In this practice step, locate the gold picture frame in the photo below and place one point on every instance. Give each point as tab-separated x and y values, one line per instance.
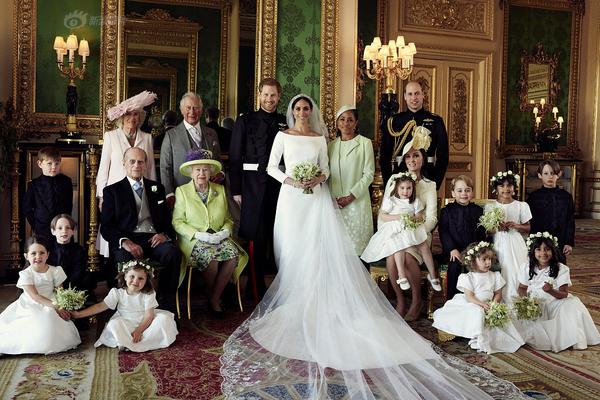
577	9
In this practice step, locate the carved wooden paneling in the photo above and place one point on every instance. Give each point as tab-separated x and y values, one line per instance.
426	76
459	112
471	18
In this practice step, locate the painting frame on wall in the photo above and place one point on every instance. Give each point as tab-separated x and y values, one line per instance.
516	129
32	122
107	52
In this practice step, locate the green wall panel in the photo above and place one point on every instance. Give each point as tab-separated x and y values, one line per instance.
81	17
298	49
209	45
367	30
528	26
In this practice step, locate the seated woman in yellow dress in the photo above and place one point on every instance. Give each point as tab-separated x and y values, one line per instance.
203	224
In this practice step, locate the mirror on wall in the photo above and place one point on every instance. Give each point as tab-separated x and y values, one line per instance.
538	79
540	62
160	55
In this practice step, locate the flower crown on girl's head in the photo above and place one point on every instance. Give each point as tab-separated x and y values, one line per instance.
405	175
471	254
144	264
502	174
531	238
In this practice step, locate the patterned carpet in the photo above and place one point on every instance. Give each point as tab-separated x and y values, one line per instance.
189	369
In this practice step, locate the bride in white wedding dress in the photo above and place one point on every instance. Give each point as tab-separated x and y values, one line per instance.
324	330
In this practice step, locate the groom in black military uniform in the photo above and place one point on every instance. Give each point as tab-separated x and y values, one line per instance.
252	188
397	131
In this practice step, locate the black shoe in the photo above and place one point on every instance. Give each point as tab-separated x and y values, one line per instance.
217	314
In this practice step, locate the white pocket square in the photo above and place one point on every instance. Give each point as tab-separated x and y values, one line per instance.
161	201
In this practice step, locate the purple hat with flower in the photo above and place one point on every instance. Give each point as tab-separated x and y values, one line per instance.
196	157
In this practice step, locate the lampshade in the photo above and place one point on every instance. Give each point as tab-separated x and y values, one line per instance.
376	42
413	48
84	48
367	53
59	43
400	41
72	42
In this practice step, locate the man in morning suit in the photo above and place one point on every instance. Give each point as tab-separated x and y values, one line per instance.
252	188
180	140
397	131
136	222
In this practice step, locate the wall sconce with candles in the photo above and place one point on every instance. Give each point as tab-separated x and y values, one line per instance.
387	62
546	132
71	72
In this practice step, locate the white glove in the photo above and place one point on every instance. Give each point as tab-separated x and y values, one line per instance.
222	235
206	237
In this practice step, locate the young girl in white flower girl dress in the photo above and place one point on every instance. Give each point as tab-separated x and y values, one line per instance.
396	233
33	324
137	325
565	321
464	314
508	239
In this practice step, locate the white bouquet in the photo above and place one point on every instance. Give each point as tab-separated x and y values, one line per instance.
69	299
491	219
306	171
527	308
496	316
410	222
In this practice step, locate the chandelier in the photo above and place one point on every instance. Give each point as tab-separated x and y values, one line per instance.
389	61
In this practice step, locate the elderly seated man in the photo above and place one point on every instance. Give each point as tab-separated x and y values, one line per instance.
204	226
136	222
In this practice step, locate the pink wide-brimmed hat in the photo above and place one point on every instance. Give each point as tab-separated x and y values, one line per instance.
137	102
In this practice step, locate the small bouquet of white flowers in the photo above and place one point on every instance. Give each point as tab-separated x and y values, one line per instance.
410	222
491	219
306	171
69	299
496	316
527	308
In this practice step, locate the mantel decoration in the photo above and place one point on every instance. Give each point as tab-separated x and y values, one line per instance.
547	131
71	72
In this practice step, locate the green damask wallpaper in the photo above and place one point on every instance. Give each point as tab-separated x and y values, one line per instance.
526	27
209	45
367	30
81	17
298	49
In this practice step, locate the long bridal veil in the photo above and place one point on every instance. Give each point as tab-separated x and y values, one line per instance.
324	330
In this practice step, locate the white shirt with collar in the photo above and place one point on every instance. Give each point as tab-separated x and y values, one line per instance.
196	138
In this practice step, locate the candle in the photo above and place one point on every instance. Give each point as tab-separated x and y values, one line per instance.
535	111
367	53
560	122
554	111
542	102
59	46
84	49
